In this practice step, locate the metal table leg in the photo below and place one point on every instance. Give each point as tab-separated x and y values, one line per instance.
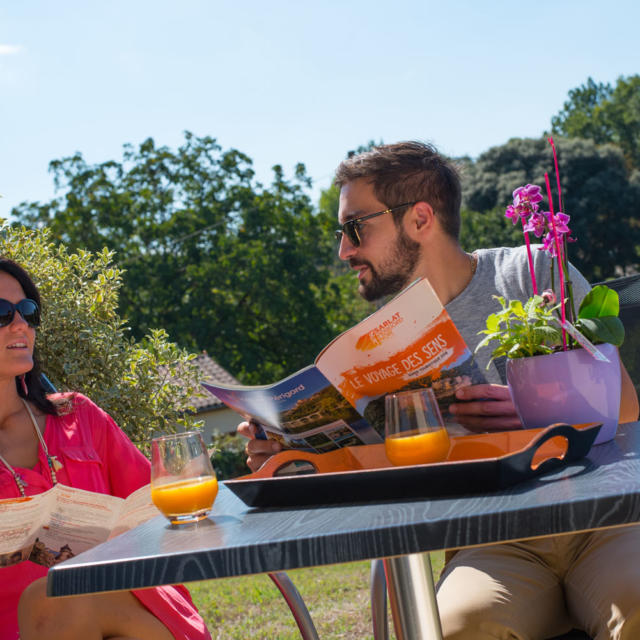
379	601
412	597
296	604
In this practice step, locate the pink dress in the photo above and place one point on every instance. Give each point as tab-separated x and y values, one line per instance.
97	456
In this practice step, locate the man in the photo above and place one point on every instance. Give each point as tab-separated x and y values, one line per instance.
400	219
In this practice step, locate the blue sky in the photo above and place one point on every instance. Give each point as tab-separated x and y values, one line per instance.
289	82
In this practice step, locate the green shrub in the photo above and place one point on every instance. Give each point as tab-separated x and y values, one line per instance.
84	344
228	457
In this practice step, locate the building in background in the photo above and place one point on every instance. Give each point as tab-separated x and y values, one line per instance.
215	414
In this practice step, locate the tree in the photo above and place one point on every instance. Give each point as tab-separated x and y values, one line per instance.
488	229
604	114
209	254
350	306
84	344
598	193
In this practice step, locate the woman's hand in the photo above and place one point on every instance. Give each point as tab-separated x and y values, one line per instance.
258	451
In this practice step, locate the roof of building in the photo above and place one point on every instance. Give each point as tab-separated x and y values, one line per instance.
213	372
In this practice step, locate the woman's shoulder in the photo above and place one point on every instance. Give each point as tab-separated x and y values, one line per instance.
73	402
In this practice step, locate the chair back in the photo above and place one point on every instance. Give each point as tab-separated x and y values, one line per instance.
628	288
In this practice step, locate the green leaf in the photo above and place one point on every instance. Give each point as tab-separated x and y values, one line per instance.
516	307
533	306
598	330
487	339
601	301
547	334
493	324
515	351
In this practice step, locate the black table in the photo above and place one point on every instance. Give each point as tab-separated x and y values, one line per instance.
602	490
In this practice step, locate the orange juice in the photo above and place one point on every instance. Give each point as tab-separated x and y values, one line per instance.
185	497
415	447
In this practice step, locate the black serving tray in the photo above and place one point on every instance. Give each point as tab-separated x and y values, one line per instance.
475	464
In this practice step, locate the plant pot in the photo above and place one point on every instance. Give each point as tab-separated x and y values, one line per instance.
567	386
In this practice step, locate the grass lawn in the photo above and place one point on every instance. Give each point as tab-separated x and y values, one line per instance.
251	607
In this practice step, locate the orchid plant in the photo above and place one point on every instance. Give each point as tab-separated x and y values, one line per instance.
547	322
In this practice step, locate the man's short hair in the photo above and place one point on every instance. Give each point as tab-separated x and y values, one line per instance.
408	172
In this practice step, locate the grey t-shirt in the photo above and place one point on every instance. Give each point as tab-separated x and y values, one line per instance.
503	271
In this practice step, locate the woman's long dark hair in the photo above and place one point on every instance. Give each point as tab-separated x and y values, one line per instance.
37	394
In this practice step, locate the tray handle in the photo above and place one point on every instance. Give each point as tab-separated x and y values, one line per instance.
519	466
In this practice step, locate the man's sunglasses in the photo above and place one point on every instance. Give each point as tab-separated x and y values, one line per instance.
27	308
351	228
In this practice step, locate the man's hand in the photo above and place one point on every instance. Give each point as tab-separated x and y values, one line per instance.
258	451
486	407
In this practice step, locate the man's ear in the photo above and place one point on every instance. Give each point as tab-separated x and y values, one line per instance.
422	218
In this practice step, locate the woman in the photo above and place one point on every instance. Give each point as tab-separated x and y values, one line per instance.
66	438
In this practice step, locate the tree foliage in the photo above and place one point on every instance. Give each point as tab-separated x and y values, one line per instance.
488	229
352	307
209	254
598	193
228	455
603	113
84	344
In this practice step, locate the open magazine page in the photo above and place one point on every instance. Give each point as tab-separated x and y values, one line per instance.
50	527
136	509
20	521
409	343
303	411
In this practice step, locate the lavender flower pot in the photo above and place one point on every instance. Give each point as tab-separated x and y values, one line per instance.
568	386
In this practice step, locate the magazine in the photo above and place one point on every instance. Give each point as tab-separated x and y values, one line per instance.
410	342
57	524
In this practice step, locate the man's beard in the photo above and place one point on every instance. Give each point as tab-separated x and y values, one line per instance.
394	274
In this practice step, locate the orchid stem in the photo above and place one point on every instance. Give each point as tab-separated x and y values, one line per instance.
530	258
560	260
571	306
555	163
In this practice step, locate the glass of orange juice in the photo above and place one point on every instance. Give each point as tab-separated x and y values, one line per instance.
183	483
414	429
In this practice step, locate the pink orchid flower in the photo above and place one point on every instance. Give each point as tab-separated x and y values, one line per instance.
561	220
524	207
537	223
530	193
549	245
513	213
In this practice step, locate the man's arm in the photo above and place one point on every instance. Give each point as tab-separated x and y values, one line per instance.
629	408
485	407
489	407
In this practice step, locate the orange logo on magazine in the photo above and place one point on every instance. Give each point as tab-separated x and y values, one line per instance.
434	351
377	336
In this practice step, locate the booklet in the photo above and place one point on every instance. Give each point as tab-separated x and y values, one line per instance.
410	342
57	524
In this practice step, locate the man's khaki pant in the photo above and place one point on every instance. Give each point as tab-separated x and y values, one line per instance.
538	588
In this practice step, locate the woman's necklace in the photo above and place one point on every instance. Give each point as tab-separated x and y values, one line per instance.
53	463
20	483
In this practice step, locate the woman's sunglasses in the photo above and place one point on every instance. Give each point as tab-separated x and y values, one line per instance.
27	308
351	228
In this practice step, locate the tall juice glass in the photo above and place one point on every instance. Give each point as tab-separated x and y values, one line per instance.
183	483
414	429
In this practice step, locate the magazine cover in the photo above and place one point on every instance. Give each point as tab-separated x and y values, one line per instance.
410	342
303	411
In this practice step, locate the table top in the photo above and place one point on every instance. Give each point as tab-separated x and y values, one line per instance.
602	490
